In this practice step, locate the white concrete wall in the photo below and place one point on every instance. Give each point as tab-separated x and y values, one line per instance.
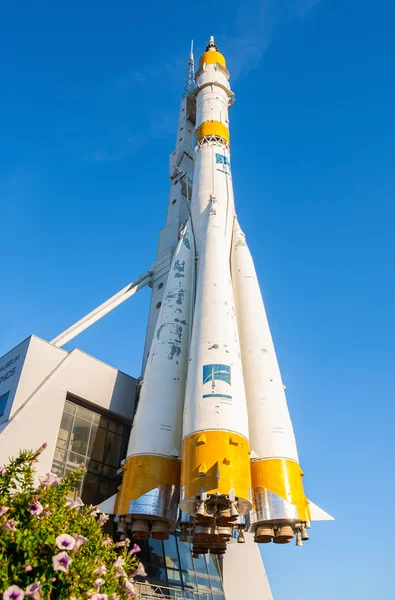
244	573
38	405
40	360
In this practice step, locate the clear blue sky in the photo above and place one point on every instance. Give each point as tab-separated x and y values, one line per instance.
88	110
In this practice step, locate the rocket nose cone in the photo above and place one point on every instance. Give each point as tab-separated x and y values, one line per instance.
211	45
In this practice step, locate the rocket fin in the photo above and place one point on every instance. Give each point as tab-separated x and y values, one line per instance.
318	514
107	506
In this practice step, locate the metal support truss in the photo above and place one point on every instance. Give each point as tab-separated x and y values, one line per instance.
102	310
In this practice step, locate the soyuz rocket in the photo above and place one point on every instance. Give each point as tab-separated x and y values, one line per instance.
212	450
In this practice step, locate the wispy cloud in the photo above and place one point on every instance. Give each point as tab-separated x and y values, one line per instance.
256	25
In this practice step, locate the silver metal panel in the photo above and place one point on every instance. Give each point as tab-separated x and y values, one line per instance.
161	503
270	507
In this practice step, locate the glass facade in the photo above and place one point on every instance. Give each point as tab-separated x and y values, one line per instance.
170	563
96	441
99	442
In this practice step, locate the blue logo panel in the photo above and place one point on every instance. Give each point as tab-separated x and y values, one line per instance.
216	372
222	159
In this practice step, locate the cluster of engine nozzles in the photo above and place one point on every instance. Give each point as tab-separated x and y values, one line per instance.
281	533
215	523
143	529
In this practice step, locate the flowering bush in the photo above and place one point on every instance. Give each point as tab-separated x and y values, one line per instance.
53	546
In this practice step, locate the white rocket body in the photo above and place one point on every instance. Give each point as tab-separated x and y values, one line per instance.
212	427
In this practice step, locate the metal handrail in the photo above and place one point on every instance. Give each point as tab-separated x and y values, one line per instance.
148	591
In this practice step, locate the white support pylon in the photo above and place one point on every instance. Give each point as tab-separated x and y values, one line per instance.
101	311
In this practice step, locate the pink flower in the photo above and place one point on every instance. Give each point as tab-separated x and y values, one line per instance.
77	503
99	581
100	570
28	568
135	549
34	591
47	512
50	479
99	597
61	562
3	510
119	562
103	518
79	541
8	526
107	542
65	542
3	472
13	593
140	571
114	596
119	573
36	508
93	510
128	585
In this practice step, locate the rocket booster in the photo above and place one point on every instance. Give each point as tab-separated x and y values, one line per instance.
212	433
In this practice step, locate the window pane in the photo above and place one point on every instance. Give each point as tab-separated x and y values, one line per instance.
216	584
96	444
3	403
218	596
186	556
212	562
75	460
80	436
69	407
57	468
115	426
155	574
200	564
156	556
89	489
60	455
94	465
194	596
109	471
203	583
107	488
65	429
189	579
83	413
174	577
112	454
95	418
171	553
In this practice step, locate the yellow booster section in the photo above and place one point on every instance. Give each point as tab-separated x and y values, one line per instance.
284	478
216	462
212	128
143	473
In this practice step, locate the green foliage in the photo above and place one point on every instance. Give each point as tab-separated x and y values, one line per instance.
41	529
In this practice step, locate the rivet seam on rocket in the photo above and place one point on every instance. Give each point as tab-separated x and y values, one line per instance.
284	478
143	473
212	128
211	58
217	462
